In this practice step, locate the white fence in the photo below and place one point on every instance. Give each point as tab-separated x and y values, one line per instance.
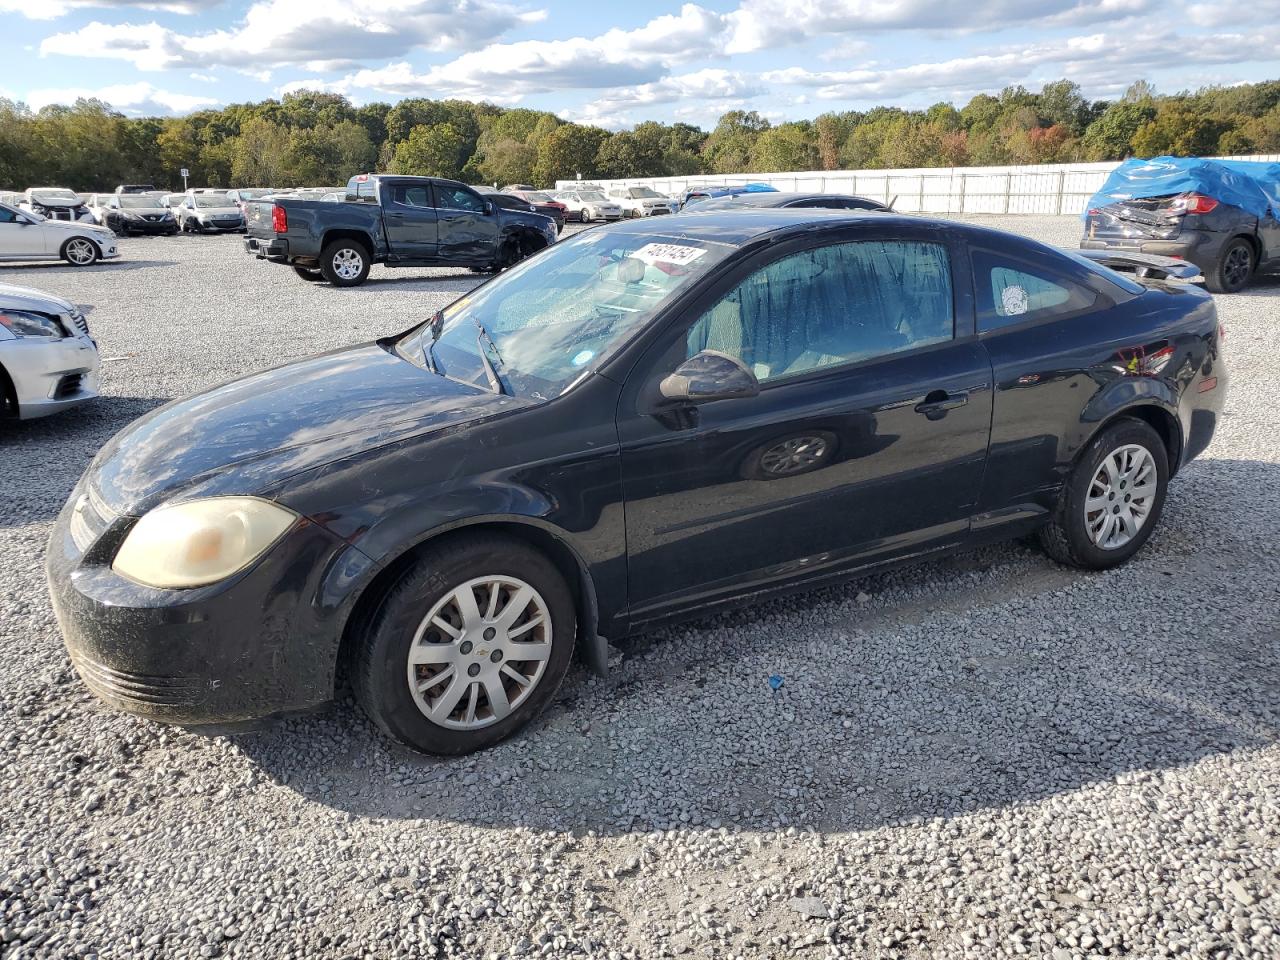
1051	188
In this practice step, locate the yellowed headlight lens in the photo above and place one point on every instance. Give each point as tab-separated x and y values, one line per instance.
199	542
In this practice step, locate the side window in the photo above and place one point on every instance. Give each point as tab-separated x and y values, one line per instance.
1010	291
832	305
458	198
7	216
413	196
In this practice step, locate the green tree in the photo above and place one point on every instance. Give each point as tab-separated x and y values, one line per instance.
435	150
258	156
791	146
568	151
1110	136
728	148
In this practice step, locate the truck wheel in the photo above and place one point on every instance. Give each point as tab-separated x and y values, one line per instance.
345	263
1233	269
311	276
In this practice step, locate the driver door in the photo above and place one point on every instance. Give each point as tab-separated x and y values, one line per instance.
410	221
18	236
866	441
467	231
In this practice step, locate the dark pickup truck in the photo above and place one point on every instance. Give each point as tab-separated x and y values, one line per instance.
394	220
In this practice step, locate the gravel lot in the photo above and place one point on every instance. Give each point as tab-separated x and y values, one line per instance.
986	756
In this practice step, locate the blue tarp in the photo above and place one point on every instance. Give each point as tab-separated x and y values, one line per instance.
1252	186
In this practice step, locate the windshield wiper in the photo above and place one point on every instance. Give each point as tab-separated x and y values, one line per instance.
429	354
485	342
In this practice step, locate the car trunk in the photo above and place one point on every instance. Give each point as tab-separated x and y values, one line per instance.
1150	218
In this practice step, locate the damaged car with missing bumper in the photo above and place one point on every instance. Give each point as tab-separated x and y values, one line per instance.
1223	216
642	423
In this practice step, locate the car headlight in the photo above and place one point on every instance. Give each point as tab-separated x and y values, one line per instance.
23	324
201	541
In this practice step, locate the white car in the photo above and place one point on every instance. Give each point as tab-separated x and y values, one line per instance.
29	236
642	201
589	205
48	361
208	213
56	203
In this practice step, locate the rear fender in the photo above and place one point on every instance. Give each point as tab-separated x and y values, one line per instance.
1150	399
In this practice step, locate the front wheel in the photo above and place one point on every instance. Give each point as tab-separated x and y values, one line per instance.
468	647
345	263
80	252
1233	269
1112	500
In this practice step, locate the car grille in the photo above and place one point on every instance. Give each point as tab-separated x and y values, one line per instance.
136	688
152	218
58	213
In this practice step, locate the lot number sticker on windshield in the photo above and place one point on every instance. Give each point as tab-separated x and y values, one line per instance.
673	253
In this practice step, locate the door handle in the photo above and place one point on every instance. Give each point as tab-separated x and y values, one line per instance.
937	402
394	216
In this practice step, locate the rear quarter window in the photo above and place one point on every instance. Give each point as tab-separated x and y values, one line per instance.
1012	291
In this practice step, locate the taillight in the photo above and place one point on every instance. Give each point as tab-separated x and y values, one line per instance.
1194	203
279	219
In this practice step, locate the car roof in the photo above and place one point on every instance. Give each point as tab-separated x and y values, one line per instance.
779	199
742	224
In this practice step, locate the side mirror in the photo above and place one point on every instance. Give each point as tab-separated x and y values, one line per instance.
710	375
489	207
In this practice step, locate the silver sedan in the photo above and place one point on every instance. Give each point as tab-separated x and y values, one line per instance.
48	361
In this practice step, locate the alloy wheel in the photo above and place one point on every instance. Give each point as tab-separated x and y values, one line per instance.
793	455
1121	495
479	653
347	263
80	252
1238	266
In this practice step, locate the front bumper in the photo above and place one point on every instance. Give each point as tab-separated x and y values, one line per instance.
275	249
147	227
220	226
259	644
51	375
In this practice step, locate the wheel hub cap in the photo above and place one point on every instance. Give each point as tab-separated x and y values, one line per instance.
1125	482
480	652
347	264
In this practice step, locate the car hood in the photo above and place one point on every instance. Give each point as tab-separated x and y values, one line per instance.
248	436
77	226
58	202
24	298
216	211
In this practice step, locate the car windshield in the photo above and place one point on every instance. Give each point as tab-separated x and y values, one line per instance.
593	197
64	196
556	316
645	193
208	201
537	197
252	194
140	202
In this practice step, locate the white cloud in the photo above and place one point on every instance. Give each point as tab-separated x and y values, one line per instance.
138	99
52	9
338	33
1093	60
708	89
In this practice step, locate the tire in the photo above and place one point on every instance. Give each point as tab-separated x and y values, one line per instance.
1235	266
308	274
80	252
1068	537
345	263
382	666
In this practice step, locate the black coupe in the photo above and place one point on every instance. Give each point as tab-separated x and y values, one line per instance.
644	422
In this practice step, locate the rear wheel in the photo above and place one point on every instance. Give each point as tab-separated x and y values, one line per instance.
80	252
309	274
1113	499
468	647
1233	269
345	263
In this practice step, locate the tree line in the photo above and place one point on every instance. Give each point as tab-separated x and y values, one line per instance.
315	138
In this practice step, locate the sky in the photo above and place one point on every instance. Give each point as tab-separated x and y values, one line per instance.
616	64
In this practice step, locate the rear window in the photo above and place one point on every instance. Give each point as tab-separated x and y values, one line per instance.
362	189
